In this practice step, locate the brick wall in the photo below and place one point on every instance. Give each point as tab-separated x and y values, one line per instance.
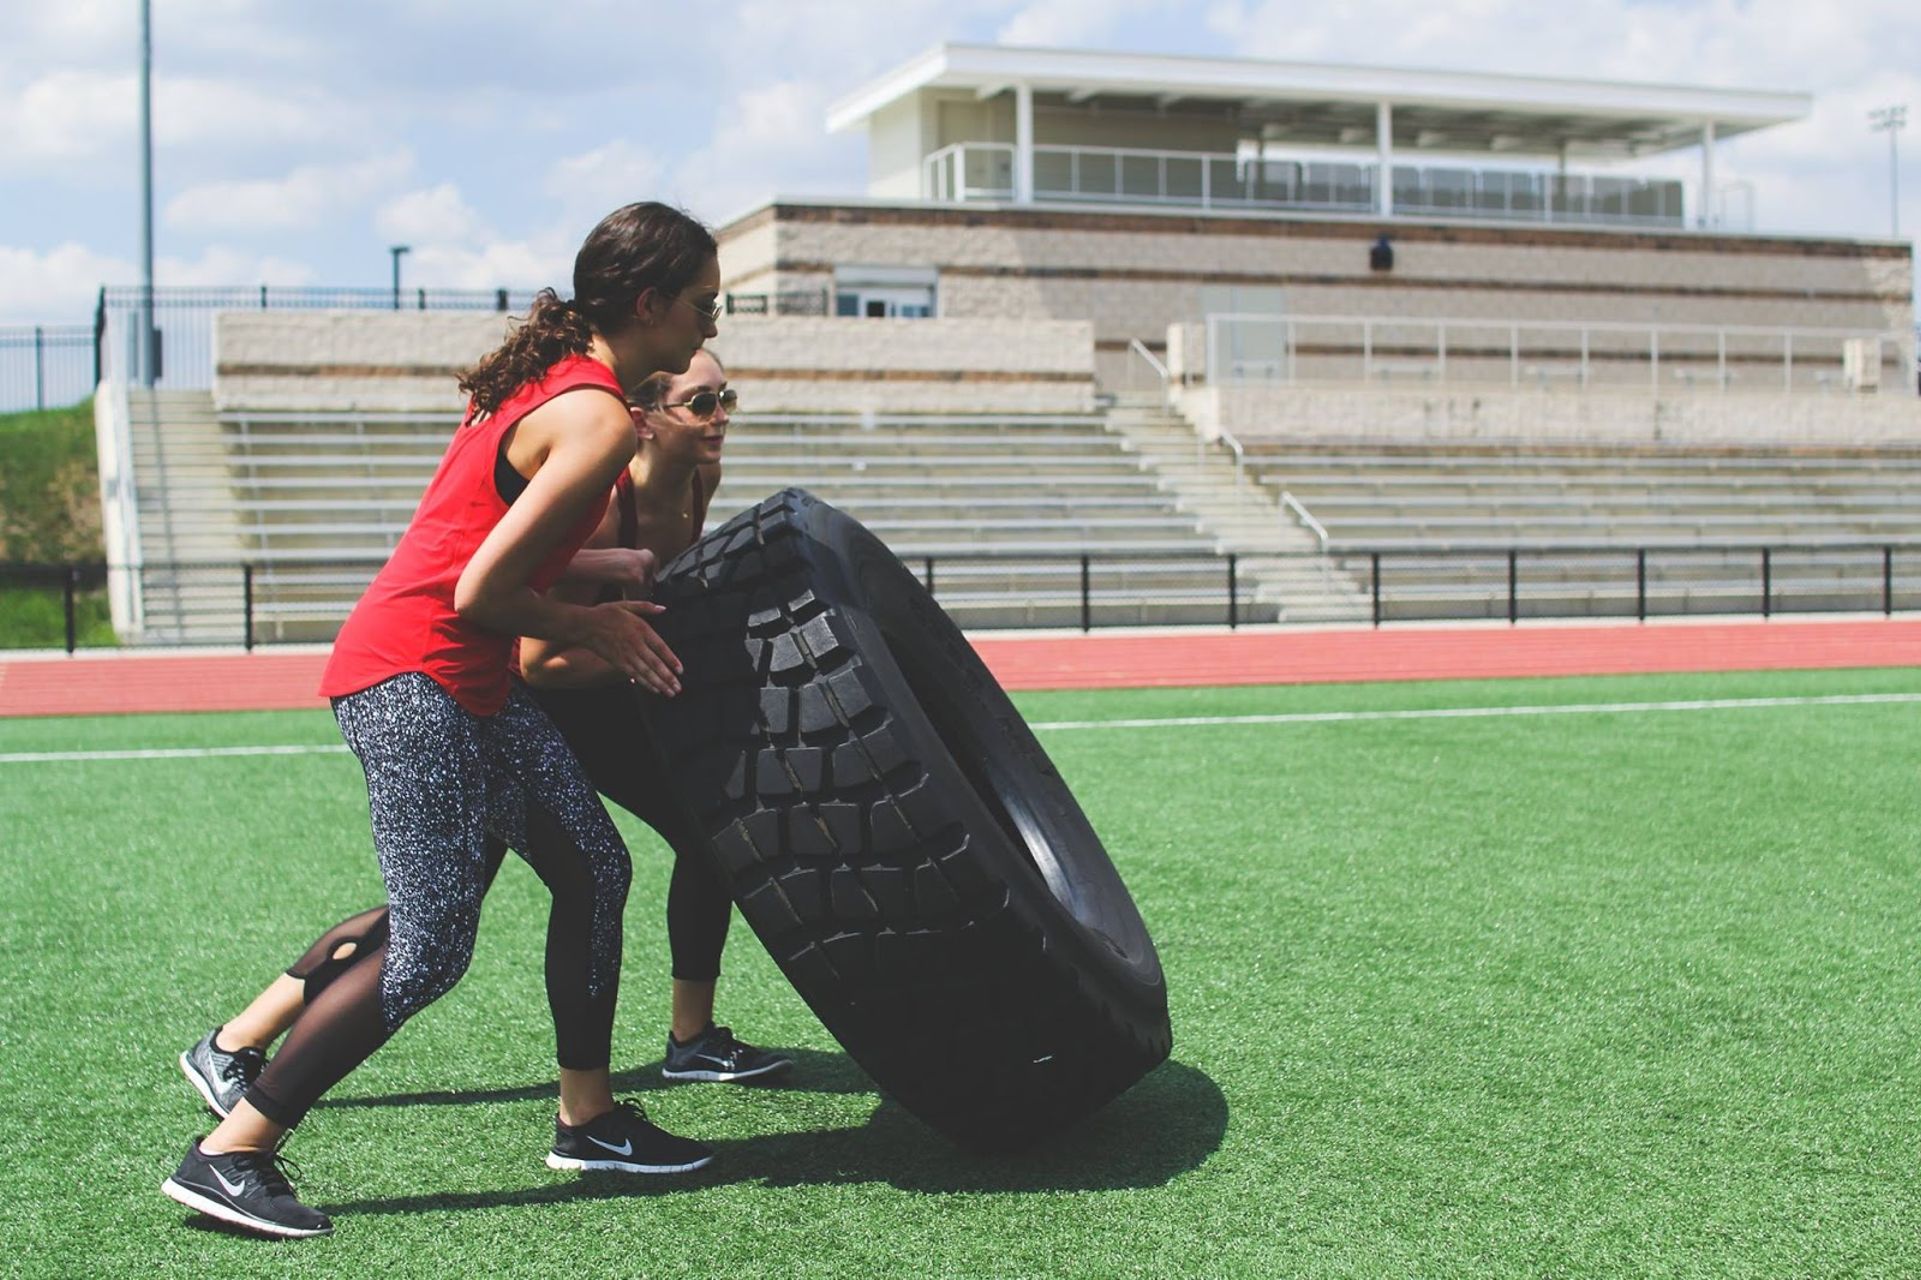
1133	274
410	361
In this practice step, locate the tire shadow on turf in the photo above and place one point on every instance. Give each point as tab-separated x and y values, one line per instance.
814	1071
1166	1125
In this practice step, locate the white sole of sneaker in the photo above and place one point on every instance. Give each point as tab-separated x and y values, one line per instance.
725	1077
193	1078
233	1217
557	1161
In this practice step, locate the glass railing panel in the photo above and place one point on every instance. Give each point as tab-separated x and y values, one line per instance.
1184	178
989	170
1141	177
1099	174
1280	181
1228	180
1054	173
985	171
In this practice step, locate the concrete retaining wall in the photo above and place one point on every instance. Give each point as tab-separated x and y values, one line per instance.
374	361
1351	413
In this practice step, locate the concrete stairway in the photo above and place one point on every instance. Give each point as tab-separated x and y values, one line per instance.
1279	557
191	585
999	512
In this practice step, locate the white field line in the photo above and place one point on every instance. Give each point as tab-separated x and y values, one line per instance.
169	753
1176	722
1473	713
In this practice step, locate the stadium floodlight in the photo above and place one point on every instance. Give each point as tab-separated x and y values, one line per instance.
397	250
146	339
1891	121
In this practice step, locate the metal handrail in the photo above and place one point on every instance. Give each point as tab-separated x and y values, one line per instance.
1307	517
1229	439
1140	348
1449	332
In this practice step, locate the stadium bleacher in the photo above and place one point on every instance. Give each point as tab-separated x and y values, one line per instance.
1004	506
1444	516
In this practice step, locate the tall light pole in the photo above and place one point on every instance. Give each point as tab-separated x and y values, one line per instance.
396	251
146	338
1891	121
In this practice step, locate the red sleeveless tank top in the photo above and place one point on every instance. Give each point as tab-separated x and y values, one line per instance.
406	620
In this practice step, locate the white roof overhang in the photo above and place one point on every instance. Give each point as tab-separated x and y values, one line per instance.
1321	105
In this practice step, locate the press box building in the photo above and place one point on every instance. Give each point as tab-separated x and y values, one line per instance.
1329	226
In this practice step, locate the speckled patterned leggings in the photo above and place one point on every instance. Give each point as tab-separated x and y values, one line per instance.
440	780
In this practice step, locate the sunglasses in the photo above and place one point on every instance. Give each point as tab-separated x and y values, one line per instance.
702	404
711	313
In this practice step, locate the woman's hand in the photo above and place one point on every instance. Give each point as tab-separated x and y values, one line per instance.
630	571
618	633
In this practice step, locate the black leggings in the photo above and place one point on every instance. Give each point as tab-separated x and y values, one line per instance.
606	732
623	763
440	781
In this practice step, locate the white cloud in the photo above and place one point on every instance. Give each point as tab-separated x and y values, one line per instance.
69	115
594	183
59	283
1069	23
514	264
223	265
307	197
769	140
436	215
231	112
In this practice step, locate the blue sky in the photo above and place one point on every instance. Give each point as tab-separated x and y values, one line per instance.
295	142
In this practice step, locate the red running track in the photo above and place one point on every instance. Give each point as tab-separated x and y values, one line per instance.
117	682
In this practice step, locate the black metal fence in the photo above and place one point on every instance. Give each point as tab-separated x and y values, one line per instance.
46	606
182	354
797	302
45	366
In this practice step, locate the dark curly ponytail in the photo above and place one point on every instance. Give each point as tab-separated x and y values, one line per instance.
634	249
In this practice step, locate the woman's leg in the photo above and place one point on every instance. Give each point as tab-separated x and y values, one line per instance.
274	1010
565	835
426	786
606	732
699	909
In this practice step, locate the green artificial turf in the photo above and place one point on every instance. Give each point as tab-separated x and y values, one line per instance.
1589	994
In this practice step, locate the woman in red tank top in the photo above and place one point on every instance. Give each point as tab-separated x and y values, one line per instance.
658	507
454	751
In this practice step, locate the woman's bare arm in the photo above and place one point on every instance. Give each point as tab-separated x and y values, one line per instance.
586	439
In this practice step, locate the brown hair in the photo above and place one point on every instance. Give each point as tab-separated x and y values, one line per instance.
649	394
634	249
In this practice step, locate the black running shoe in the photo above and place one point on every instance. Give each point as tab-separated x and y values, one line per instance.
714	1054
221	1077
623	1141
247	1189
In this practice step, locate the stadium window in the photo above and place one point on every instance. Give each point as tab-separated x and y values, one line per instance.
883	292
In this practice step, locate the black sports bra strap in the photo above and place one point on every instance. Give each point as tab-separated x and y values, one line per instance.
629	516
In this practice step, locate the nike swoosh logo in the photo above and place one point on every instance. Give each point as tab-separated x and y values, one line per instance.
233	1188
624	1149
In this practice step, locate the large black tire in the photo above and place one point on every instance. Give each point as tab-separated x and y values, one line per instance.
896	836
